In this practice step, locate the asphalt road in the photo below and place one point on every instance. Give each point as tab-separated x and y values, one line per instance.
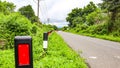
97	52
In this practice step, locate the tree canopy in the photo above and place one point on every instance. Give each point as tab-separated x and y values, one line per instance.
101	19
113	8
28	12
78	15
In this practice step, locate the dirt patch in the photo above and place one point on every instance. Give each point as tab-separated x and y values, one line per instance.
2	43
88	65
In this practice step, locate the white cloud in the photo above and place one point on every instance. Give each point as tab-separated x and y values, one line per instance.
56	9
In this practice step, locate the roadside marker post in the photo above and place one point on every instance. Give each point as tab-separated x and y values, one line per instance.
23	52
49	32
45	41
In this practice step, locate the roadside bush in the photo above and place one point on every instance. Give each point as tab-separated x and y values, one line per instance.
12	25
116	33
83	27
98	29
34	29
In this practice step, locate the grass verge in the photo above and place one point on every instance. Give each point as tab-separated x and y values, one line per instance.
58	55
105	37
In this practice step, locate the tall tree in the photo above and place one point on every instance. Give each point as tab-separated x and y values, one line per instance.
78	15
77	12
91	7
28	12
113	7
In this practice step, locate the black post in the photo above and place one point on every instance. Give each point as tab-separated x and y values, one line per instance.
45	40
23	52
45	36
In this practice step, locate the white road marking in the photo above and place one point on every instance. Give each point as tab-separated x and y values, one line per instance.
118	57
92	57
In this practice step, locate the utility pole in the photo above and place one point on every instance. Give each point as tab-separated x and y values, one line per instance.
38	10
48	20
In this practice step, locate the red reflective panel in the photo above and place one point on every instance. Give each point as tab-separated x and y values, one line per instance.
23	54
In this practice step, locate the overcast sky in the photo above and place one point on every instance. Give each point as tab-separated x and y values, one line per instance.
55	10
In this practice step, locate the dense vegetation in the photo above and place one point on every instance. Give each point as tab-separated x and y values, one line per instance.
102	21
58	55
15	23
28	12
12	24
6	7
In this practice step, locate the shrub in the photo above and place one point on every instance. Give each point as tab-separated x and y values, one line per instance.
12	25
34	29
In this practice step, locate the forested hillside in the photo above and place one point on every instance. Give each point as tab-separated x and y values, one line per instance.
102	20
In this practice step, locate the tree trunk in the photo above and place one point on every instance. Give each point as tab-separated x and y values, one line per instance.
112	21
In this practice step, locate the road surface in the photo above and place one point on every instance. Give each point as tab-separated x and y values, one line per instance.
97	52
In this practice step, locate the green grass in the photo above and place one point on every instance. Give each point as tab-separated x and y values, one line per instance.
58	55
106	37
7	59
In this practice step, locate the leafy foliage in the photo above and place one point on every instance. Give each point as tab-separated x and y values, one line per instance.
78	15
113	8
28	12
95	17
74	14
6	7
96	21
58	55
12	25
